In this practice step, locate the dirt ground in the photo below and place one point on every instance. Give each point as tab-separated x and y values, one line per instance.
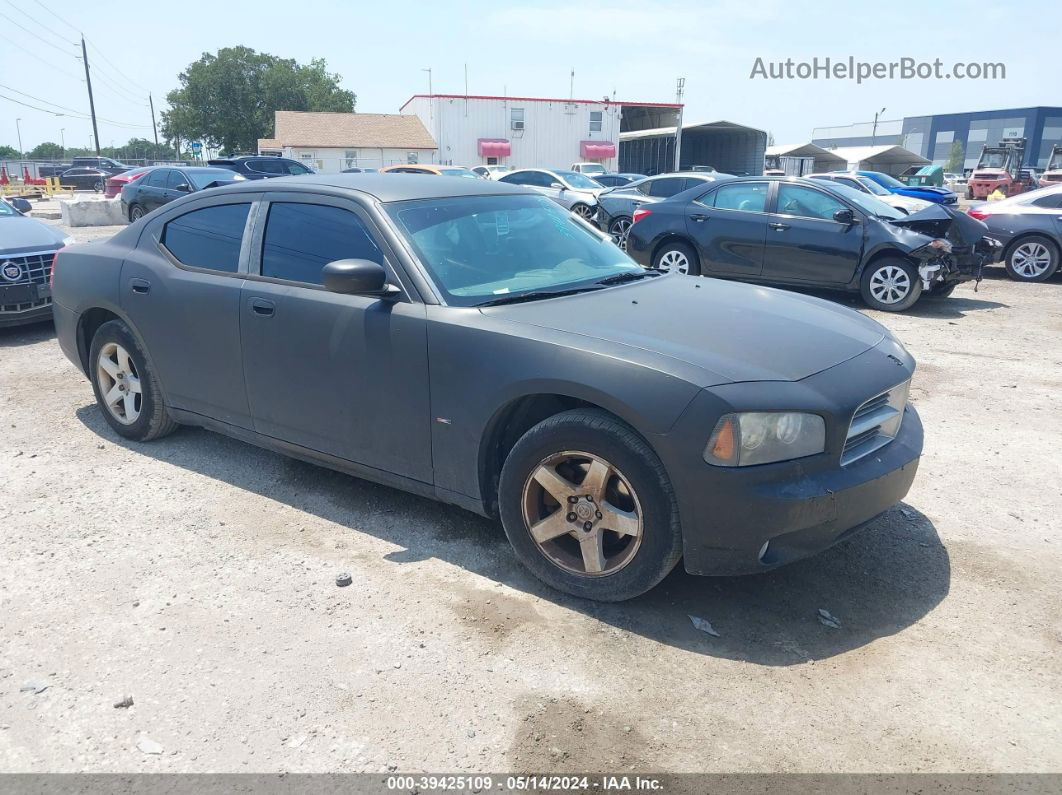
196	575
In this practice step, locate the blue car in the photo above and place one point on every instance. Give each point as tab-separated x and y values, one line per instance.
928	192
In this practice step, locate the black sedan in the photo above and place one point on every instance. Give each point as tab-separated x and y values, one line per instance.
84	178
162	185
801	232
1030	227
615	180
473	342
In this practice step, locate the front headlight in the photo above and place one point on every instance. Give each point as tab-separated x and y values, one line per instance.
762	437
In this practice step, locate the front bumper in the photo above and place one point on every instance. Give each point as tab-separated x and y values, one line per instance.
743	520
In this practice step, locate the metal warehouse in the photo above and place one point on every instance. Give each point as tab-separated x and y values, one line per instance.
726	146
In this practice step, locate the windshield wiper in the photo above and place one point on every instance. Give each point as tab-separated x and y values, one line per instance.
535	295
629	276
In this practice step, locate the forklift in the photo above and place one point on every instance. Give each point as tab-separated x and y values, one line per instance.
1000	168
1053	173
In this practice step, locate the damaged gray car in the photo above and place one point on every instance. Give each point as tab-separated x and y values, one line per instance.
791	231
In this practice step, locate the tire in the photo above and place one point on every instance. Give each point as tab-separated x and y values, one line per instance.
941	292
1032	259
584	211
890	284
136	212
98	186
141	419
969	195
679	257
590	562
618	229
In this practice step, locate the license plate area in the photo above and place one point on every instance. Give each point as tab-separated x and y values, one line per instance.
23	293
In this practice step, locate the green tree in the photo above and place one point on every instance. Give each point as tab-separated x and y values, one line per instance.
956	159
46	151
8	153
227	99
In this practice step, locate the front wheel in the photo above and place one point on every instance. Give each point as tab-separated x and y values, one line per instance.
941	292
890	285
588	507
618	230
98	186
126	389
584	211
1033	259
679	257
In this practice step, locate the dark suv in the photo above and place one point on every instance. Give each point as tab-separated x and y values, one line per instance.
261	166
102	163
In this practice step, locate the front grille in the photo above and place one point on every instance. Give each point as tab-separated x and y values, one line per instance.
36	269
1053	177
985	176
875	423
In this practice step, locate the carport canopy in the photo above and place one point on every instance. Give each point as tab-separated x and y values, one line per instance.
887	159
727	146
825	160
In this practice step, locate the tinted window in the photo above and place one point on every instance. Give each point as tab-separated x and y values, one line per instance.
208	238
1048	201
851	183
667	186
174	179
748	196
300	239
291	167
535	178
266	165
157	178
806	202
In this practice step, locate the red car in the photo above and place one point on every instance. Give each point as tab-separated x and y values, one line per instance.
115	184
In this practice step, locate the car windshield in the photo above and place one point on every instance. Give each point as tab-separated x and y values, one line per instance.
480	248
867	203
887	181
872	186
201	177
577	180
458	172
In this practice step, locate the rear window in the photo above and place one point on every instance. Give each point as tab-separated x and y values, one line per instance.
208	238
747	196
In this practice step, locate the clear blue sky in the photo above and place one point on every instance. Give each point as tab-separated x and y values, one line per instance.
636	49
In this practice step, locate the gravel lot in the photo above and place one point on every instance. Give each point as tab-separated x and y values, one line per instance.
196	576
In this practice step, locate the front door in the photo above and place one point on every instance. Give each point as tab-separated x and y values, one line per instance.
183	298
804	242
729	226
152	192
345	375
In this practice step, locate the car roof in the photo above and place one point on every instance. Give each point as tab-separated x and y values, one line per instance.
384	187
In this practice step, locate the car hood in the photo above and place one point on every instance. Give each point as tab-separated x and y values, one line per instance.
939	221
727	330
930	189
21	234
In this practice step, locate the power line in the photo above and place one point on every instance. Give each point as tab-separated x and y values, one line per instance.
71	112
36	22
44	61
36	35
125	93
42	5
115	68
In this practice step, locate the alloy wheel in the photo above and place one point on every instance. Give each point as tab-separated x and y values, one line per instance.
1030	260
583	211
119	383
137	213
674	261
618	230
890	284
583	514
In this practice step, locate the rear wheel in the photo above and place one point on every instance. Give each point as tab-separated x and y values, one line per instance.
126	389
588	507
618	229
1032	259
98	186
890	285
136	212
678	257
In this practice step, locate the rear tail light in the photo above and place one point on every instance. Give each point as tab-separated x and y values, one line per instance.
640	214
51	276
980	215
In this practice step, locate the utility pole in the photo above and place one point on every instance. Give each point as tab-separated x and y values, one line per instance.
92	103
18	128
874	132
62	141
153	127
680	89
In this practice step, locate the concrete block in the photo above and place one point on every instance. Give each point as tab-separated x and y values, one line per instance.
92	212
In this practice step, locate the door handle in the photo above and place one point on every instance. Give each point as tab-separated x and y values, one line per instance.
140	286
262	307
778	227
698	218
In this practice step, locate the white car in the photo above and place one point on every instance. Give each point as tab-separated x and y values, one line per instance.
590	169
492	172
905	204
570	189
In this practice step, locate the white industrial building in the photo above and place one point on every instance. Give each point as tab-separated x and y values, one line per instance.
532	131
331	142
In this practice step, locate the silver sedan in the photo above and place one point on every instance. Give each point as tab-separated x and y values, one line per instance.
570	189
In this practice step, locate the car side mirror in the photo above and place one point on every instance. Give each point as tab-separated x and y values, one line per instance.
22	205
845	216
556	185
184	187
357	277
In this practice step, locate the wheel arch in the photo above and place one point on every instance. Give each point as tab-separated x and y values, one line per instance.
673	237
885	252
1024	235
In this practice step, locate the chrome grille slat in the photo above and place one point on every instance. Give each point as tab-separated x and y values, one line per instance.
875	423
36	269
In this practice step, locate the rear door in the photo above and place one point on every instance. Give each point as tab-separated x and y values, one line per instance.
344	375
180	288
152	189
804	242
729	226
